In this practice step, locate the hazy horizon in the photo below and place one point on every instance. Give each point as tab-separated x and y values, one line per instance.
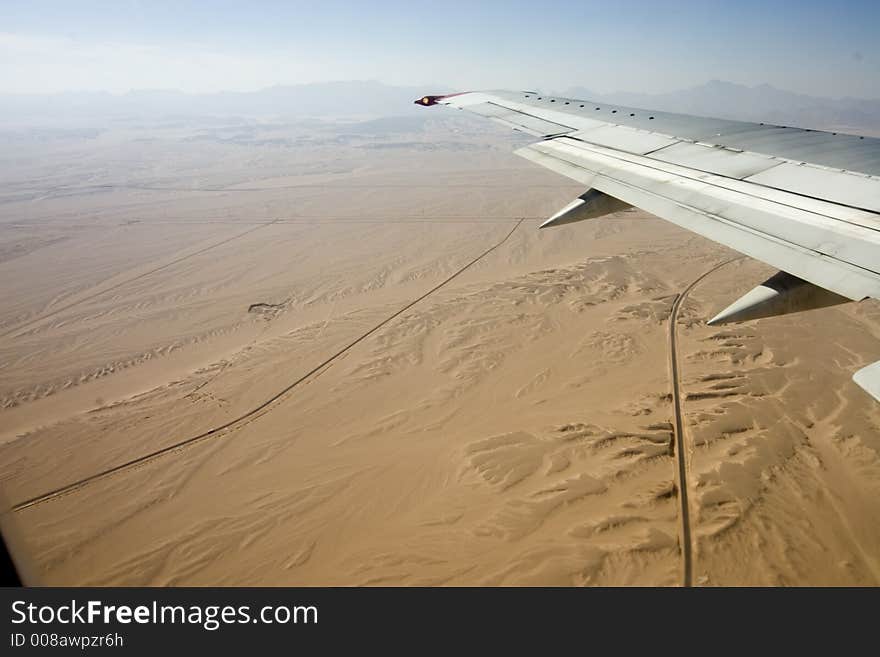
360	100
575	85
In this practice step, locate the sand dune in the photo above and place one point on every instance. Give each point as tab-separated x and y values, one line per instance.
511	428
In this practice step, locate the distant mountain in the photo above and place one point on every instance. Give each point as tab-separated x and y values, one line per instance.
328	99
372	100
760	103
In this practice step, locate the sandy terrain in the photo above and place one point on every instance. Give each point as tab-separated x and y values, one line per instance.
511	427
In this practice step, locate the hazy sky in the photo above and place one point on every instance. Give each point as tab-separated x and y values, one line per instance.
820	48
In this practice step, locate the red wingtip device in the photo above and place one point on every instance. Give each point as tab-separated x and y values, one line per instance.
427	101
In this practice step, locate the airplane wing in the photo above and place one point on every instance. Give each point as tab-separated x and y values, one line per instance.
804	201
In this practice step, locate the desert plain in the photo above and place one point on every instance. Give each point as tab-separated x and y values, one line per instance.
342	353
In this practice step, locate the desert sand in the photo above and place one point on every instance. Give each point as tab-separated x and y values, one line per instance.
511	427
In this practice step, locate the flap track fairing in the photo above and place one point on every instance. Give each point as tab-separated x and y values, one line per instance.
589	205
780	294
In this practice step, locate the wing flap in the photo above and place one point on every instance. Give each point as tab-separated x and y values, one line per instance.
836	186
638	142
716	159
557	165
841	258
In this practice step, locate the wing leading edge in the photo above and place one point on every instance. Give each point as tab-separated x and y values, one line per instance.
806	202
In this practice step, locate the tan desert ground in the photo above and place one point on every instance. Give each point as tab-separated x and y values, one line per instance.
241	285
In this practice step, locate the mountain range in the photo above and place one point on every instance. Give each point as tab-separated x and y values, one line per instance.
361	99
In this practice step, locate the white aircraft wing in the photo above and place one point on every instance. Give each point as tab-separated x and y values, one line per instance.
804	201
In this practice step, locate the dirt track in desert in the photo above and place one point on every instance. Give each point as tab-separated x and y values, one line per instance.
454	397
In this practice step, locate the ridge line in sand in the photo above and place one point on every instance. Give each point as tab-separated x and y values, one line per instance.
52	313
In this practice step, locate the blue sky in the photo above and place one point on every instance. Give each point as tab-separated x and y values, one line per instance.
820	48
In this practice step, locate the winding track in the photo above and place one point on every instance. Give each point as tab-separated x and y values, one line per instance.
678	425
254	413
